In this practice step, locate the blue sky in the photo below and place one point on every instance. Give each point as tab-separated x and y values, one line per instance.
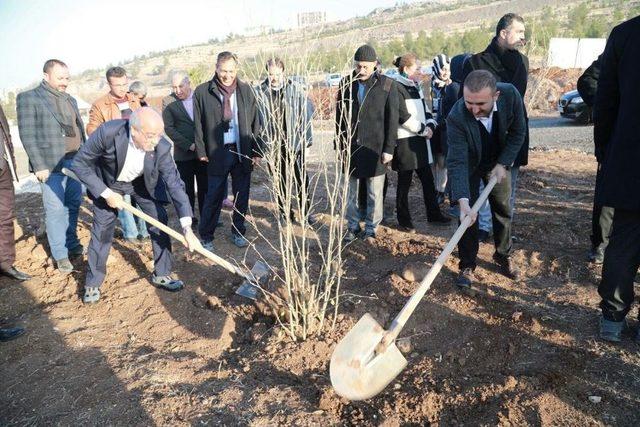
89	34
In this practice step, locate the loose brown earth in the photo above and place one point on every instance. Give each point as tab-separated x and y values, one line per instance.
508	353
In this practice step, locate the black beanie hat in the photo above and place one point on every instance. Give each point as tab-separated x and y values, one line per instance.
365	53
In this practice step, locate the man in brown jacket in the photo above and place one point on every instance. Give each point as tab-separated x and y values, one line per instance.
7	200
117	104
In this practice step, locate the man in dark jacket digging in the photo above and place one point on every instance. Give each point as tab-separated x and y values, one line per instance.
131	157
367	111
485	130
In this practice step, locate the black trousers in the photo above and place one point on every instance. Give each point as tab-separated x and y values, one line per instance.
240	185
7	234
428	194
194	171
621	262
601	218
500	217
300	185
104	222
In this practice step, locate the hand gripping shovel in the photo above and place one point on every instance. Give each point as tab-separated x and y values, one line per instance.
252	278
367	359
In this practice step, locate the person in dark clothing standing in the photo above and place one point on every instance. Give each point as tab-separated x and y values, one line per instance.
413	151
227	127
7	202
179	126
366	127
617	136
285	116
503	59
602	216
485	130
440	80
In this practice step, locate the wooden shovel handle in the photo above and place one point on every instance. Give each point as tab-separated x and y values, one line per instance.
171	232
402	317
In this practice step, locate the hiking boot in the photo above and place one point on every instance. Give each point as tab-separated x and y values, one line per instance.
91	295
465	278
64	265
508	267
167	283
611	331
239	240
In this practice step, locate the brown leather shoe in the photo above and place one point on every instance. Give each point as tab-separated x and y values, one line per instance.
508	267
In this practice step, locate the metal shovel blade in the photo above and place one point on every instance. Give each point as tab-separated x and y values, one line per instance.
259	274
356	371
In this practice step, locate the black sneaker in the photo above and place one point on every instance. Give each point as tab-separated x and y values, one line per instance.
596	255
611	331
508	266
465	278
439	219
350	236
483	236
407	228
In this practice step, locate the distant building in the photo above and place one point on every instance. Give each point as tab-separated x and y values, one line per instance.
574	53
309	19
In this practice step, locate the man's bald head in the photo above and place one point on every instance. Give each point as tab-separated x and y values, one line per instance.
147	128
181	85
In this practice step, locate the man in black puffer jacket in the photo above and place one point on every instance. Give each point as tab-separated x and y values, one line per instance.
503	59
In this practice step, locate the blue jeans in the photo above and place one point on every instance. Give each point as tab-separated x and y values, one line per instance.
375	186
515	170
132	227
61	197
484	214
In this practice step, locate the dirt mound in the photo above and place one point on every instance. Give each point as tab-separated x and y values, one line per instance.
506	354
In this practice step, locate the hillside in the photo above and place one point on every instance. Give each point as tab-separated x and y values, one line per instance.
427	28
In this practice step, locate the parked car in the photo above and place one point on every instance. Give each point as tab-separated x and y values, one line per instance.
572	106
333	79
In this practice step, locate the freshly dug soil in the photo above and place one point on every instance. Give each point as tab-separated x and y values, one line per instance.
506	353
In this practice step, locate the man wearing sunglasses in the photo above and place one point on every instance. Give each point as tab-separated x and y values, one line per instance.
132	158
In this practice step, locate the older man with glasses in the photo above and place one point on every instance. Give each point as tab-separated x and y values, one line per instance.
129	158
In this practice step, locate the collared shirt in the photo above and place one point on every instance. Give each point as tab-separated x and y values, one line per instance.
488	121
361	92
188	105
133	163
232	136
133	168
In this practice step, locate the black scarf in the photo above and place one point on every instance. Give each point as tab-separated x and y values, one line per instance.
226	92
64	107
515	70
